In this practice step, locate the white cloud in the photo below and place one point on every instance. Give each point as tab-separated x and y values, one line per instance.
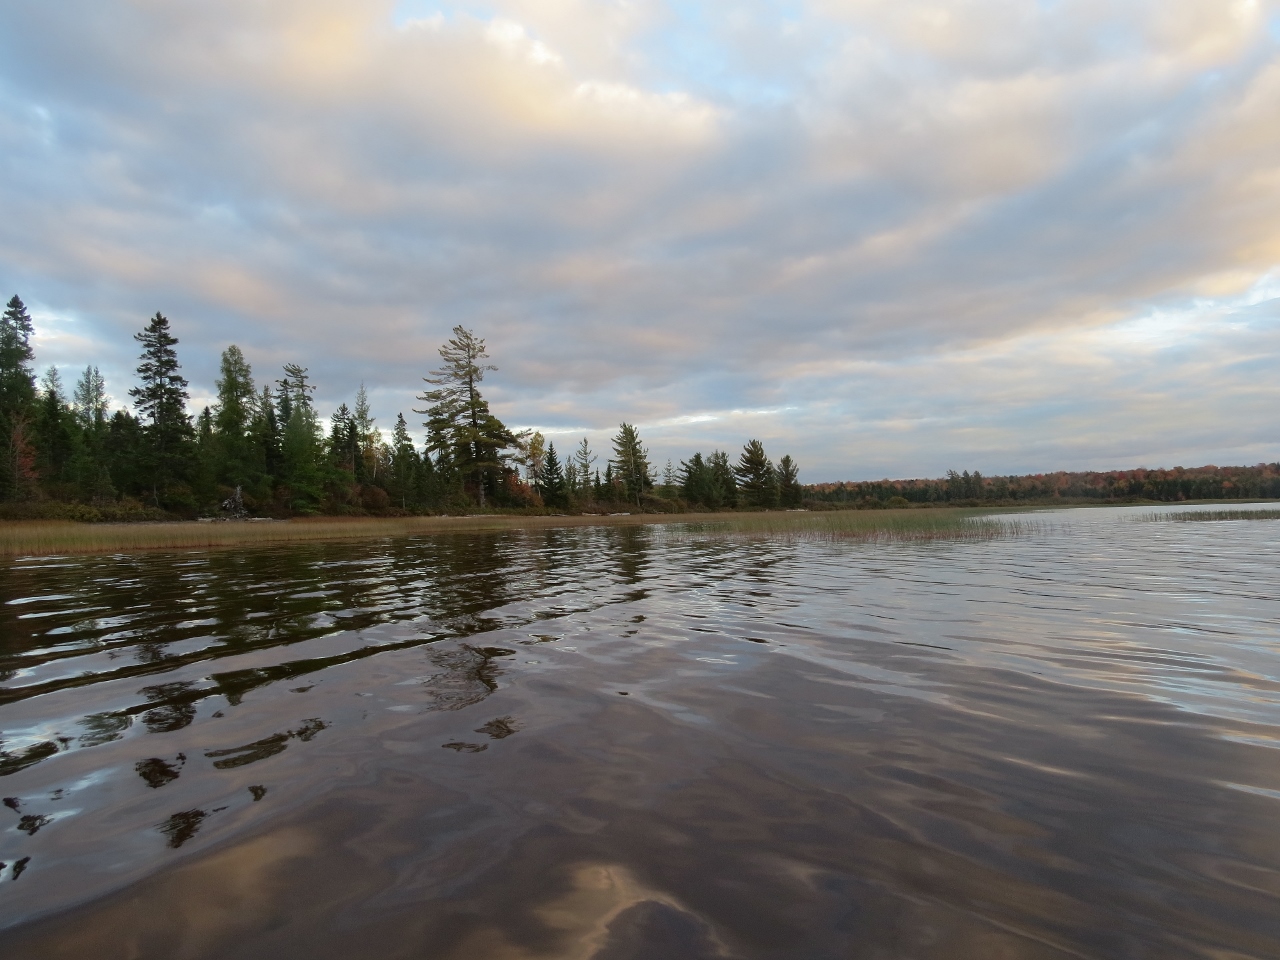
908	234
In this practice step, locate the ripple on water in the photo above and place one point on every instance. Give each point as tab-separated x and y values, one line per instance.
580	742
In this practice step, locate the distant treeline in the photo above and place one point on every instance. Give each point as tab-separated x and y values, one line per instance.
1196	483
261	450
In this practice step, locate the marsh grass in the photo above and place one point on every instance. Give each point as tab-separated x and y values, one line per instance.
1192	516
54	537
868	525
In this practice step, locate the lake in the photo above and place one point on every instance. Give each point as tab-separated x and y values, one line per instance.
642	742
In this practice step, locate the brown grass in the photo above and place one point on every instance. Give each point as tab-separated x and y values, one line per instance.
55	537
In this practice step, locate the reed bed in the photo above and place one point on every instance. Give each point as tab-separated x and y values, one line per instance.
871	525
23	538
1194	516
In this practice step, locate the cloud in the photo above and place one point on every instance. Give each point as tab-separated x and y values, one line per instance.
909	234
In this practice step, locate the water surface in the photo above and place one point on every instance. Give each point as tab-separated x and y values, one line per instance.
624	742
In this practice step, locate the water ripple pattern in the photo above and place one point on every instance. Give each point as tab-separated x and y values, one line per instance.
616	742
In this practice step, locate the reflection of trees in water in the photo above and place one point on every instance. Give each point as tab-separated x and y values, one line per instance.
264	748
467	675
156	772
181	827
629	549
175	707
157	614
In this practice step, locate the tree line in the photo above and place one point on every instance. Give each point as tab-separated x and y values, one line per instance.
1258	482
260	448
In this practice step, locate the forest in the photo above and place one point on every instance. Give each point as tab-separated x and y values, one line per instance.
261	450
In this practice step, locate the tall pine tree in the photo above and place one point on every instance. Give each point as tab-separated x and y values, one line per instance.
161	399
459	421
17	400
632	462
757	481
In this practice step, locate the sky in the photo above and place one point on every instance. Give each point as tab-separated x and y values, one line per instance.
886	237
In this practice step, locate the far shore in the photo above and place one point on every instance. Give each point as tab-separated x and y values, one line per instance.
35	538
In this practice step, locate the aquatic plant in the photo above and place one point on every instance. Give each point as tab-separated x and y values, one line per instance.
1184	516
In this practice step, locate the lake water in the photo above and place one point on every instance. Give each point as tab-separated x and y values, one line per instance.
630	742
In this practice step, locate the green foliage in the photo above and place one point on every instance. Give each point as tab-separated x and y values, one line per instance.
757	480
790	495
631	464
478	446
554	489
161	399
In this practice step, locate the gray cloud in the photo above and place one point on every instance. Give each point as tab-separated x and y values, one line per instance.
899	236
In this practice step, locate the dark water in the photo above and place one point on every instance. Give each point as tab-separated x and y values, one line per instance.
624	743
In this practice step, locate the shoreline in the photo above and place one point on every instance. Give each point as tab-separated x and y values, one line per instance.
45	538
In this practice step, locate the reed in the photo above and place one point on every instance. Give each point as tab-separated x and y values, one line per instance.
869	525
1194	516
57	537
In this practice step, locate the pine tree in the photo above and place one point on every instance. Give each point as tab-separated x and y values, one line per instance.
696	482
584	458
161	398
233	419
405	464
17	399
265	435
632	462
553	482
301	446
535	459
89	467
757	480
56	438
789	493
458	417
669	481
341	435
90	399
17	379
367	437
724	487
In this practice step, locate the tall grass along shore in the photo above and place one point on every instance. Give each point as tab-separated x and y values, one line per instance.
49	538
1192	516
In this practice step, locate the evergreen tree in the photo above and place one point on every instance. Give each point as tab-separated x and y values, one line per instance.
17	379
669	481
17	398
123	450
89	468
553	482
368	440
301	445
459	419
632	462
90	399
724	487
696	482
584	458
789	492
233	420
342	447
405	464
757	481
535	459
56	436
208	460
265	437
161	398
